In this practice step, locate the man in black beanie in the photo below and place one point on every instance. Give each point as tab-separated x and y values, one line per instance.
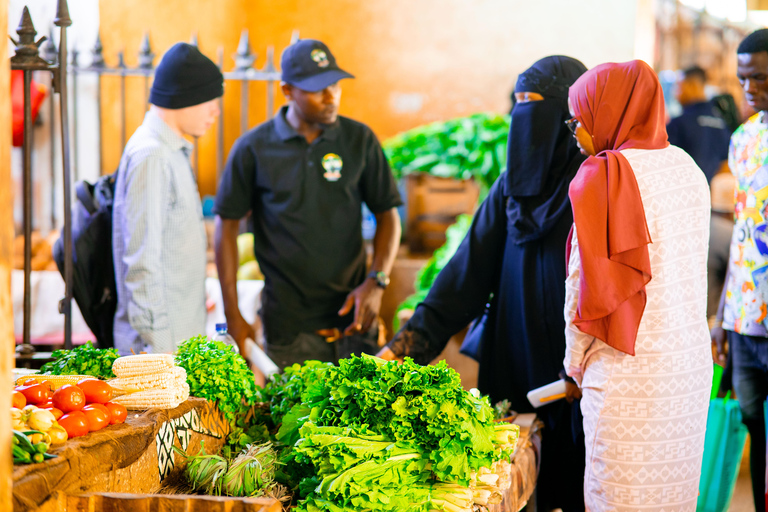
304	176
158	237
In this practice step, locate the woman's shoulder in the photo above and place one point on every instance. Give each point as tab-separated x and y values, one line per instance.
671	157
667	167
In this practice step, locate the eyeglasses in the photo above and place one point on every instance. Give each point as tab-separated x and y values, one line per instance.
571	124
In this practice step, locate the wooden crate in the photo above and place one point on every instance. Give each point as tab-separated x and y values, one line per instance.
432	204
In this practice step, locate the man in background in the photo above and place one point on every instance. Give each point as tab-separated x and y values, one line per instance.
743	312
700	130
304	176
158	238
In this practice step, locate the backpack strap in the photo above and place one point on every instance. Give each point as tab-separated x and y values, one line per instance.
84	194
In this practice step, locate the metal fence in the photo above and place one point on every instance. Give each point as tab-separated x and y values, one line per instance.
244	72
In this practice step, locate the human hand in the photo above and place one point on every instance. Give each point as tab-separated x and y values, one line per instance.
572	392
386	354
366	300
719	345
239	329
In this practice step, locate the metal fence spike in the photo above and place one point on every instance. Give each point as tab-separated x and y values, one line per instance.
62	18
145	53
97	60
244	57
121	59
27	52
48	49
269	67
75	54
295	36
193	39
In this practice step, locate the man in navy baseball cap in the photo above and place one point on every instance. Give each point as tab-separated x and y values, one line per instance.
309	65
304	176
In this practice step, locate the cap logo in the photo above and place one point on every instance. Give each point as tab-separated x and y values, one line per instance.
332	164
320	57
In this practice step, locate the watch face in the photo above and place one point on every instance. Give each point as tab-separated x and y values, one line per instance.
382	278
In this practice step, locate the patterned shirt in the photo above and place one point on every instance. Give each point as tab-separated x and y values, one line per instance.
746	304
159	242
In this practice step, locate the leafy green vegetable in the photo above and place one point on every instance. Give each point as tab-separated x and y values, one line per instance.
454	235
502	409
371	472
82	360
217	373
283	391
462	148
422	405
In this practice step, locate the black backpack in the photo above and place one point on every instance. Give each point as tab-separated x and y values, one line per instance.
93	274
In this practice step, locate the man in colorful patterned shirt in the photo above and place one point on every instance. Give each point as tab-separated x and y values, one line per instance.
744	304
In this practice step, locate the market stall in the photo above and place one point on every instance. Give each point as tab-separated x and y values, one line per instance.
132	457
427	433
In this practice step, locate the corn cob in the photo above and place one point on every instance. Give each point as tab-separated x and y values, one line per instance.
154	398
171	378
56	380
142	364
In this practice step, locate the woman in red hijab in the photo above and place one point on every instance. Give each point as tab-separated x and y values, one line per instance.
637	341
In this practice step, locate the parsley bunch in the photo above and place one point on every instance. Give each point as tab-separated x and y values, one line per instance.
215	372
82	360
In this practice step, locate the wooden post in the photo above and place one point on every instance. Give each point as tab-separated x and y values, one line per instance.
7	344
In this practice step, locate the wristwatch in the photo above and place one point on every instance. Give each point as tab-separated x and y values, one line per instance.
382	279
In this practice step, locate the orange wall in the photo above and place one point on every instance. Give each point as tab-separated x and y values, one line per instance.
416	61
6	240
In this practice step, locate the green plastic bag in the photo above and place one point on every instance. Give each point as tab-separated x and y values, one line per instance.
723	448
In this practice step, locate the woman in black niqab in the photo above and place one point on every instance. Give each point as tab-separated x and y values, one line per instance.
510	270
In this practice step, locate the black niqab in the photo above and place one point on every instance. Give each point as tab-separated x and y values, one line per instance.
542	156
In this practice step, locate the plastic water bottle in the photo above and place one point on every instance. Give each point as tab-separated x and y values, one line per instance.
223	336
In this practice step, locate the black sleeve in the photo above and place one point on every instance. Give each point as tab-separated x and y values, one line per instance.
377	186
234	197
463	287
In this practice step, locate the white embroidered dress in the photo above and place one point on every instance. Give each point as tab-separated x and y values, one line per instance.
645	416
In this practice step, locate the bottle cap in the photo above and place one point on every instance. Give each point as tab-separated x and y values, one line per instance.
221	327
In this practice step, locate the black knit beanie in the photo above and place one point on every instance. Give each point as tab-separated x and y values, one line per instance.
184	78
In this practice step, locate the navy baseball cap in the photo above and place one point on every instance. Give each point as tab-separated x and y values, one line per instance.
309	65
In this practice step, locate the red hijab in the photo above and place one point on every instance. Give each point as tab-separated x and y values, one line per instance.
622	107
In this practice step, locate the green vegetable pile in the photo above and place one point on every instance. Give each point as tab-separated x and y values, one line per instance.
462	148
426	276
82	360
251	473
215	372
284	390
379	435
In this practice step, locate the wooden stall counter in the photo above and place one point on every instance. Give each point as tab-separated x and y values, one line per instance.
134	457
525	467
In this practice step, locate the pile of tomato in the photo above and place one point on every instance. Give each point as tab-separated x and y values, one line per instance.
80	408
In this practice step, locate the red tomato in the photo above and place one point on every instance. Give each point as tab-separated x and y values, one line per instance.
74	423
103	408
56	413
97	418
28	381
17	400
46	405
35	393
69	398
96	391
47	384
117	412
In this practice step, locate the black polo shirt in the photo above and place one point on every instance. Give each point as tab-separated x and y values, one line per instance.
306	201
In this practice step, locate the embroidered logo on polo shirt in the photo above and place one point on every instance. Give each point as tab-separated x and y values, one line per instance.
332	164
320	57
